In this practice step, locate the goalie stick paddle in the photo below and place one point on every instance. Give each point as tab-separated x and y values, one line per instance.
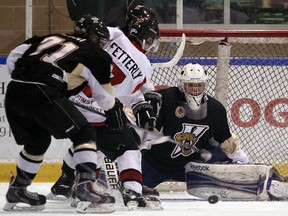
176	57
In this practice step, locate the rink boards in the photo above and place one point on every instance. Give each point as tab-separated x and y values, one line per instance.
51	169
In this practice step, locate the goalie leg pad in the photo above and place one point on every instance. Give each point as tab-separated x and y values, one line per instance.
228	182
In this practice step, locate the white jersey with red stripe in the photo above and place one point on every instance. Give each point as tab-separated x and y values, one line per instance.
131	75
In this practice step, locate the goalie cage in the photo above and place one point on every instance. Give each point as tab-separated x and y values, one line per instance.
248	73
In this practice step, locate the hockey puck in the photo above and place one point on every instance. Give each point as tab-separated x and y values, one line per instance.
213	199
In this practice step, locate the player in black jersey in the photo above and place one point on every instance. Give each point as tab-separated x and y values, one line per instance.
197	121
121	145
45	70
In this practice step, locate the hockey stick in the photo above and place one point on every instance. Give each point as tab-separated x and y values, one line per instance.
176	57
151	137
148	137
154	137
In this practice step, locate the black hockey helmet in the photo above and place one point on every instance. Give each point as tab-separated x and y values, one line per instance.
143	25
140	11
94	27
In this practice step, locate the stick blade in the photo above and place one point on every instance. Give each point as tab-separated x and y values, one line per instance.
176	57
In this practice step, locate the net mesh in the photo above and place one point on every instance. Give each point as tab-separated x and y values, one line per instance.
257	96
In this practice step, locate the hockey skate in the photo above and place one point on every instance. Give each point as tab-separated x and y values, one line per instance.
151	196
146	191
20	199
101	182
132	199
62	189
97	185
89	200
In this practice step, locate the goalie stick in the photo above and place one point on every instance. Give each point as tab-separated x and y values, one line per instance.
176	57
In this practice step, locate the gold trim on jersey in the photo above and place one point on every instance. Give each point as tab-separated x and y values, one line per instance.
32	157
86	146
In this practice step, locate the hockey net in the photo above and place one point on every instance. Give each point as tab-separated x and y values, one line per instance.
248	73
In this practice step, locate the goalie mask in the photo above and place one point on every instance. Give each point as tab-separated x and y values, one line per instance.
143	25
192	81
94	28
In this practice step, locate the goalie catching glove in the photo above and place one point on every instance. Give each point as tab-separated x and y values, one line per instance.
115	117
230	145
155	99
145	116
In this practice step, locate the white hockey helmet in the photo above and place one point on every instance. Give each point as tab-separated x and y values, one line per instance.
192	81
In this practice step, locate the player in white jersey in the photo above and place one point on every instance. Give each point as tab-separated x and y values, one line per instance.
131	80
131	75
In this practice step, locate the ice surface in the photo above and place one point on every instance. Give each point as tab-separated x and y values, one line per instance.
175	204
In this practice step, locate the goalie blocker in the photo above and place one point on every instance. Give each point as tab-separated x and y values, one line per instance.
228	181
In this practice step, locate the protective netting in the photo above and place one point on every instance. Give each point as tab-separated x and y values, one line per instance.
257	93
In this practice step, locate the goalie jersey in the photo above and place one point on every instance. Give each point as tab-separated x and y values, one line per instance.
173	121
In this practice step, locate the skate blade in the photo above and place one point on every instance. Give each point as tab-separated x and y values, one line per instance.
54	197
74	202
22	207
153	203
132	205
88	207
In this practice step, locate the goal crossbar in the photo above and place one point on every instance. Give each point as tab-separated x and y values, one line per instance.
223	33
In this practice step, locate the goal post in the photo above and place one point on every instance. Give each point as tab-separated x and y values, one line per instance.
248	73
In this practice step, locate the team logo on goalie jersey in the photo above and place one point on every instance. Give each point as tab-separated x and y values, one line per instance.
180	112
189	136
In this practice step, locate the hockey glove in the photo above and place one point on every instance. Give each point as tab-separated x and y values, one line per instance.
230	145
115	117
145	116
155	99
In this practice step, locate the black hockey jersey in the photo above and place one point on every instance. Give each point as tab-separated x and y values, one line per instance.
59	60
197	133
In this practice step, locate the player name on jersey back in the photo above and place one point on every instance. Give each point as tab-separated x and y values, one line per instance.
126	60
